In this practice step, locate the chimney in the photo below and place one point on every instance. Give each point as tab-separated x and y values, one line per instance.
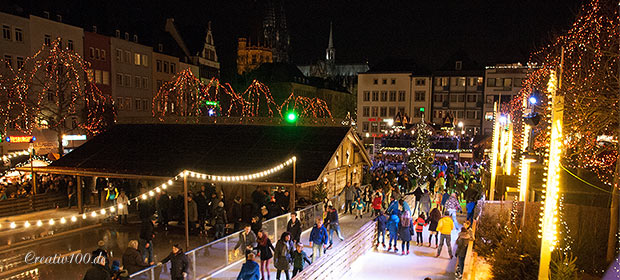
127	36
46	14
135	38
94	29
118	33
58	18
160	47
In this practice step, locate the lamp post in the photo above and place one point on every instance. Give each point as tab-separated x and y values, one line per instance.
458	145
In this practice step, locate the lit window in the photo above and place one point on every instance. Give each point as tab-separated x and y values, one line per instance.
98	77
145	60
136	58
106	78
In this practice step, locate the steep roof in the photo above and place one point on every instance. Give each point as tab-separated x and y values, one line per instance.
167	149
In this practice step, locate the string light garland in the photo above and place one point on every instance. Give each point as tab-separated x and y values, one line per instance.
151	193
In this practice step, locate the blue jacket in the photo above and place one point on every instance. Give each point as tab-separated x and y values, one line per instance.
444	198
249	271
393	208
406	207
319	235
392	224
381	222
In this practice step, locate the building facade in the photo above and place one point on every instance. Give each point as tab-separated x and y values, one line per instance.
250	57
45	30
15	42
164	68
97	52
198	48
502	83
132	76
384	98
457	93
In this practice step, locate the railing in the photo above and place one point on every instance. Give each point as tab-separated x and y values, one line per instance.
16	206
215	257
231	120
469	256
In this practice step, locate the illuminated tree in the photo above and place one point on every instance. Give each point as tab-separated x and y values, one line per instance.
55	92
419	163
185	96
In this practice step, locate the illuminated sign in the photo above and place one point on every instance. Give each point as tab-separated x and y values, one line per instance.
73	137
21	139
212	103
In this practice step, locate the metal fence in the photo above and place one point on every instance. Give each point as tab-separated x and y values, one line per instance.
217	256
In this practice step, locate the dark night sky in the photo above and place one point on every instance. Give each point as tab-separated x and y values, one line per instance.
490	31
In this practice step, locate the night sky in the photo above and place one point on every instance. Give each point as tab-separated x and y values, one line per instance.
490	31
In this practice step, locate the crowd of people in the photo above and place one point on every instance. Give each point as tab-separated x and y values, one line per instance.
21	186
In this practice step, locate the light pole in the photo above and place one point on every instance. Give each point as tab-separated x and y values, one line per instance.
458	145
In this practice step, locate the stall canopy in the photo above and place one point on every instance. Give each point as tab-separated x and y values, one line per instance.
164	150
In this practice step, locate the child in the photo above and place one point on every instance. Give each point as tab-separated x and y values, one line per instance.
359	206
299	257
376	204
392	227
420	223
381	226
461	250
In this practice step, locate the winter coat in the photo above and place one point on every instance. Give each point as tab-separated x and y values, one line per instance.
425	201
97	272
133	261
381	222
392	224
405	232
420	224
432	223
265	250
282	255
445	225
179	264
122	200
220	216
461	244
332	217
444	198
236	212
453	204
250	270
319	235
393	208
471	194
299	259
201	204
418	193
349	193
359	205
147	230
376	203
294	229
192	211
246	240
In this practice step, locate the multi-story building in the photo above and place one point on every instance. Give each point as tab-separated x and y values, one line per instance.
503	82
132	76
198	47
165	66
249	56
457	93
385	97
15	41
97	52
44	30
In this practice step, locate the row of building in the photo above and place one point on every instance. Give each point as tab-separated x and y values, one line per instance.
460	92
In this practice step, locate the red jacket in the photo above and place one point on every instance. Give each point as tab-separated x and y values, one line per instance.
419	224
376	203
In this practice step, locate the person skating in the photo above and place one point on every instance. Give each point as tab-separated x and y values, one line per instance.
381	227
220	219
334	225
392	227
461	250
147	233
283	255
359	206
264	248
299	259
122	211
445	227
250	269
178	261
294	227
132	258
420	223
425	202
247	240
405	230
418	198
349	195
376	204
433	221
318	239
453	206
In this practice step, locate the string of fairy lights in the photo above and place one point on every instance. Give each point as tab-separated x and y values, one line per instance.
149	194
186	95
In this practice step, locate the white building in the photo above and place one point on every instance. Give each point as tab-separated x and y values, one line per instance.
15	41
382	96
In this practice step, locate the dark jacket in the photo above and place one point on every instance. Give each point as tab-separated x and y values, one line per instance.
282	255
97	272
381	222
294	229
219	216
332	217
265	250
299	259
147	230
133	261
418	193
104	254
249	271
179	264
461	244
236	212
246	240
319	235
201	204
405	231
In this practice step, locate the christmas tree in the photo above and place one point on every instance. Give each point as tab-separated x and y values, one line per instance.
420	160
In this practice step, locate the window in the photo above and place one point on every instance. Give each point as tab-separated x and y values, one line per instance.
137	82
374	127
453	98
392	95
393	81
490	82
20	61
138	104
106	78
128	103
375	111
392	111
420	95
416	112
480	81
365	126
460	98
420	82
508	82
401	110
144	105
490	99
47	40
366	95
119	79
375	81
460	113
145	82
471	82
127	57
383	112
401	95
97	53
70	44
460	81
375	96
19	35
119	54
119	103
458	65
165	66
145	60
471	115
441	81
136	58
383	126
365	111
158	65
438	98
518	82
384	81
102	54
6	32
91	52
8	61
98	77
173	68
127	80
384	96
472	98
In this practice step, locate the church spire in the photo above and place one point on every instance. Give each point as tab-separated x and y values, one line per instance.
330	52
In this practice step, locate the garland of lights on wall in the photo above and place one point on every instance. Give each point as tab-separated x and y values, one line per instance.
152	192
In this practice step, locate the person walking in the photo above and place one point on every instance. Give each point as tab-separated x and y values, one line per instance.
405	230
461	250
392	227
147	233
420	223
318	239
334	225
247	240
192	214
349	195
294	227
220	219
445	227
122	210
299	259
381	227
132	259
250	269
178	261
444	198
453	206
264	248
359	206
283	255
376	204
433	221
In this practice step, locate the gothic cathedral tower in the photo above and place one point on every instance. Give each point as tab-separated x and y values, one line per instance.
274	30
